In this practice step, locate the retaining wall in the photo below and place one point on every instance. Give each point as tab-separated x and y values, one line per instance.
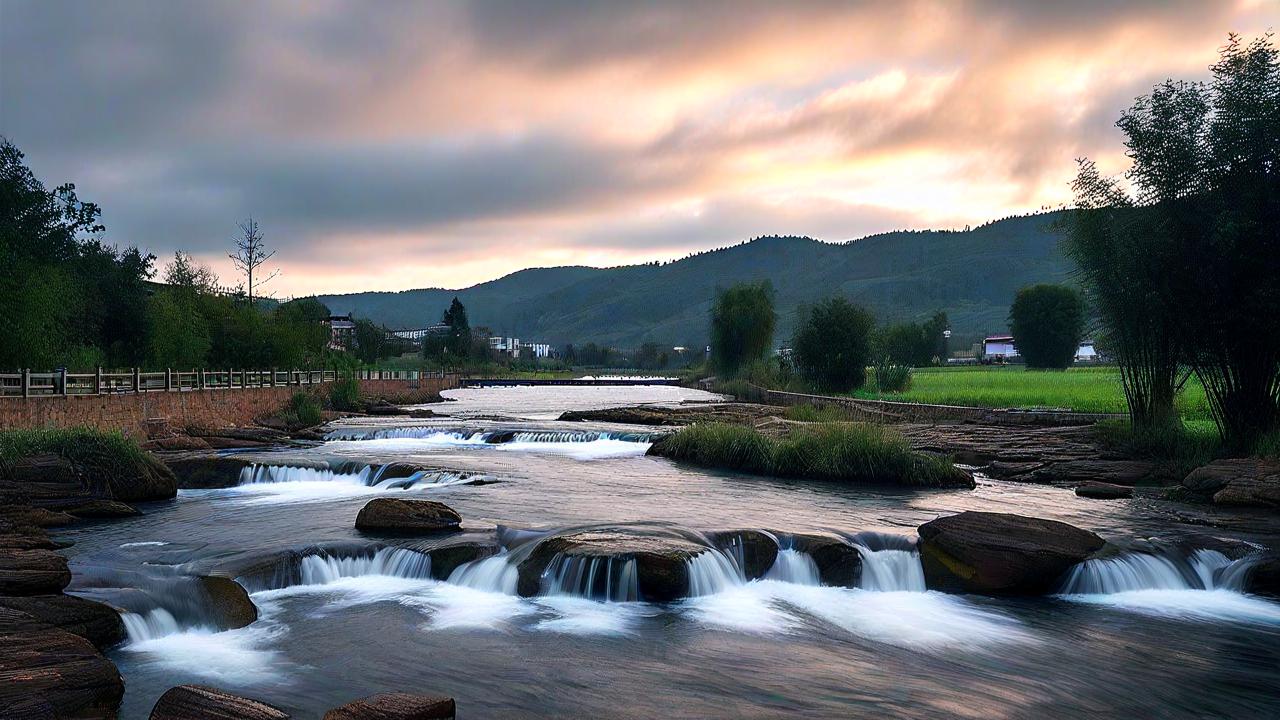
210	409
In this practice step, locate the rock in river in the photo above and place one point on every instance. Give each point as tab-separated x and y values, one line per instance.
1103	491
394	515
839	563
395	706
229	604
1000	554
199	702
46	672
756	551
1238	481
32	572
661	561
93	621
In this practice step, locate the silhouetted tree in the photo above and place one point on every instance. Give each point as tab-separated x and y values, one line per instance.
742	323
833	345
1047	323
250	253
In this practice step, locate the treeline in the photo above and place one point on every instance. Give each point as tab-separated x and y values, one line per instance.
69	299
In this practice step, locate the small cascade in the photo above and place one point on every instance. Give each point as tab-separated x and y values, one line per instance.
367	476
492	574
795	567
596	578
412	432
891	571
471	436
153	624
713	571
394	562
1201	570
576	437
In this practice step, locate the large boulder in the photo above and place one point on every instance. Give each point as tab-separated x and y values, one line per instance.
48	476
661	561
200	702
32	572
46	672
1263	576
395	706
756	551
95	509
398	516
839	563
229	603
447	557
1237	481
1000	554
1103	491
203	471
93	621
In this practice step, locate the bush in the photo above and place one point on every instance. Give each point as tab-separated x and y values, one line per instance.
833	345
303	411
857	453
891	378
102	455
344	396
1047	322
742	322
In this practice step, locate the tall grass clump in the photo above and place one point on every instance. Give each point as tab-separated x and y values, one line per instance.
854	453
891	378
102	455
303	411
812	413
1178	448
344	395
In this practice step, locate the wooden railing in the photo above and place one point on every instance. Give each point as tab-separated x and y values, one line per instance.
27	383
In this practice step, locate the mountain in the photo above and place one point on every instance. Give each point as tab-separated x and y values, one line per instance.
972	275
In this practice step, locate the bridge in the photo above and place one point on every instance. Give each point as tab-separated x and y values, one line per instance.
570	382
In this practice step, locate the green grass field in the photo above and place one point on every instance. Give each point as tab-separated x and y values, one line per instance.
1092	389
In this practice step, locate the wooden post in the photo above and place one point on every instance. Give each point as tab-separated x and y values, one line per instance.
62	381
200	378
26	382
97	381
168	380
137	377
272	381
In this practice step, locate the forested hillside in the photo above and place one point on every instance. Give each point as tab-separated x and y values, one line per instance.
972	275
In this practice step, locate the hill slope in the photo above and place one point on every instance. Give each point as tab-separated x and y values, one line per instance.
971	275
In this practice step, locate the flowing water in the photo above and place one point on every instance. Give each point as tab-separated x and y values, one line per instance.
1160	630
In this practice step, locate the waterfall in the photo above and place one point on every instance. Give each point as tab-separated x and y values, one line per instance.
367	476
153	624
1201	570
794	566
396	562
596	578
471	436
713	571
492	574
891	570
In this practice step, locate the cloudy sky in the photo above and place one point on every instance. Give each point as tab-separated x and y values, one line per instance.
387	145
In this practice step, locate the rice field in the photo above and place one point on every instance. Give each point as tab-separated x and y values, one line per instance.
1085	389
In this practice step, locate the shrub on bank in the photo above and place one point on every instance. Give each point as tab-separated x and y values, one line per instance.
303	411
855	453
344	396
108	462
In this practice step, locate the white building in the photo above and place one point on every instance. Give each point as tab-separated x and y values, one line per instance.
1001	348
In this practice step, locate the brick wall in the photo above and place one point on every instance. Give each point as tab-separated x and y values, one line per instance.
210	409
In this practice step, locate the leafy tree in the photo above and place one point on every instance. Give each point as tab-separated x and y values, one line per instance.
1047	323
914	343
833	345
1186	269
177	333
458	342
742	324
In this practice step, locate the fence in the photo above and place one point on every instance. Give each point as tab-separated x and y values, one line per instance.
62	383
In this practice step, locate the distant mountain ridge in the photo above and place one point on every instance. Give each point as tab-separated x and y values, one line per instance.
972	275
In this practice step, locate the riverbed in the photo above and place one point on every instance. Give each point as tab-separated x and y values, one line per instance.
784	645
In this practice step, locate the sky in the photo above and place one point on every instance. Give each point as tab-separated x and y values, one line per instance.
395	145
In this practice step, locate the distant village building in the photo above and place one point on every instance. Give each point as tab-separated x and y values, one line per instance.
1000	348
514	348
416	335
342	331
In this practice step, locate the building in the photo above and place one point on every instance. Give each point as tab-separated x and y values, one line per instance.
1087	353
514	348
342	331
417	334
999	348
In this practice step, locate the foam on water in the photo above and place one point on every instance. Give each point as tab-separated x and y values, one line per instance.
148	543
492	574
269	484
392	562
238	657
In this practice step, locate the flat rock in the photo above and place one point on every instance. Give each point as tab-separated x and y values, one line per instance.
1000	554
99	624
1103	491
1113	472
32	572
98	509
1264	577
395	706
661	561
200	702
204	471
1238	481
399	516
177	442
47	672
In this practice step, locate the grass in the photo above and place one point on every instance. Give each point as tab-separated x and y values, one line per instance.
303	411
854	453
812	414
1091	389
102	454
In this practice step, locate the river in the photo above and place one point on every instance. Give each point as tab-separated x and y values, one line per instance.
353	623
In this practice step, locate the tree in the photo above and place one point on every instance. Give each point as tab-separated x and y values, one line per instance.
185	271
742	324
250	253
458	342
1187	268
914	343
833	345
1047	323
370	340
